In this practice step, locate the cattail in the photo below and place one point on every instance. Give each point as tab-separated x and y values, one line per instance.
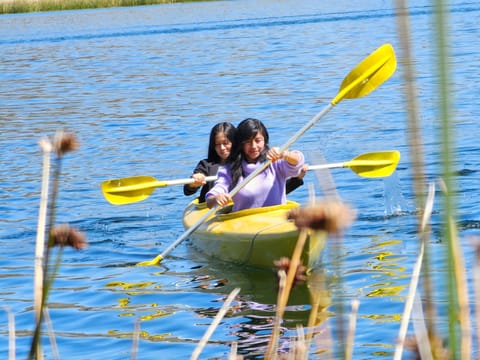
64	235
330	215
284	264
64	142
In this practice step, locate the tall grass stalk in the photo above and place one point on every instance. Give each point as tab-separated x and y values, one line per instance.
329	188
412	292
135	340
221	313
352	325
458	321
462	296
300	345
447	136
272	347
320	301
46	147
461	292
45	272
416	151
285	293
340	328
44	251
51	334
327	218
425	351
233	351
476	287
11	333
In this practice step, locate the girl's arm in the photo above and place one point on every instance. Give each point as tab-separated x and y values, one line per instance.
219	193
220	200
199	174
292	157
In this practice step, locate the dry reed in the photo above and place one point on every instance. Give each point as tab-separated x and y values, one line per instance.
221	313
49	236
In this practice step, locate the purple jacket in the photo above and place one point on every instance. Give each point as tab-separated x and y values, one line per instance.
265	189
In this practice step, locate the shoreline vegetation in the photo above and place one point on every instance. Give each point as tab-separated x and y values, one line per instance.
27	6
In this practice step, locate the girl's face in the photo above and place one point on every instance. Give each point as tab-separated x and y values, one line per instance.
253	148
223	146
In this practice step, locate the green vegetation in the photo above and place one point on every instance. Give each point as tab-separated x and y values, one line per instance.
24	6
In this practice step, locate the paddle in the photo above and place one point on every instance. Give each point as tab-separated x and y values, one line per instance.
363	79
138	188
370	165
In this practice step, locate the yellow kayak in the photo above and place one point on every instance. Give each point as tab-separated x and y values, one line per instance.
254	237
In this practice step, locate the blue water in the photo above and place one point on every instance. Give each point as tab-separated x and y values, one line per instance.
141	87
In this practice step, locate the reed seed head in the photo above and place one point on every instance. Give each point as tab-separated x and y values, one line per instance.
45	145
64	235
284	264
331	216
64	142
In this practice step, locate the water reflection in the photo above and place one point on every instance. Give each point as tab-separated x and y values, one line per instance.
256	305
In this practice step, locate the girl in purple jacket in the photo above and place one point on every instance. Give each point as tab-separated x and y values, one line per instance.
249	151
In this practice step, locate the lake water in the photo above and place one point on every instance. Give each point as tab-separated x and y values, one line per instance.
141	87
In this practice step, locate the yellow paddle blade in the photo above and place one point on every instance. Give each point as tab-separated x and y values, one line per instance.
129	190
158	259
138	188
375	164
368	75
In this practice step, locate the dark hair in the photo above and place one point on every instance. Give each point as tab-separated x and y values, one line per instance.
224	127
246	130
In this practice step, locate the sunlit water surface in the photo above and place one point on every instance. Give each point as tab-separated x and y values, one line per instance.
141	87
